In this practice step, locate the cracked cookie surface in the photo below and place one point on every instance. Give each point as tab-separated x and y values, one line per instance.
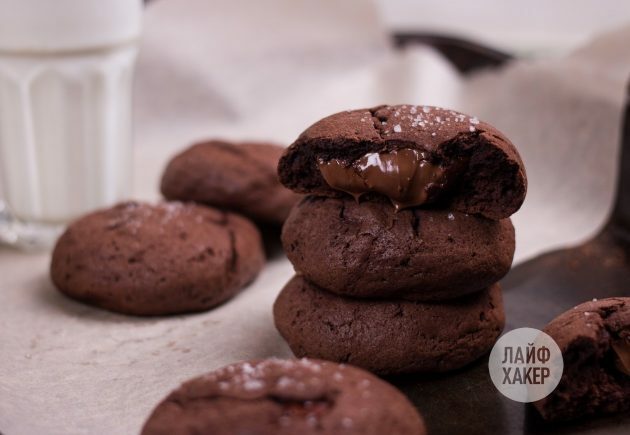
368	250
388	336
285	397
169	258
240	177
493	183
594	338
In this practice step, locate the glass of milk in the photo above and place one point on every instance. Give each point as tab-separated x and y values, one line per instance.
65	112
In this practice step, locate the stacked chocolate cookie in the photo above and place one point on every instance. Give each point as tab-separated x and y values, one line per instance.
401	240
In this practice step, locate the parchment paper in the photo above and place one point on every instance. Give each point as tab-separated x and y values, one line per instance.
267	70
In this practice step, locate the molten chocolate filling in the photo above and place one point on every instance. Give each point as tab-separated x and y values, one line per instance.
406	176
621	347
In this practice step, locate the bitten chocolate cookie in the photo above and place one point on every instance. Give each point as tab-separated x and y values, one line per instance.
390	336
594	338
157	259
413	155
368	249
237	177
285	397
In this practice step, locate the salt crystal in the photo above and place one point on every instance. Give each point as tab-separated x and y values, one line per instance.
413	110
474	120
425	109
397	128
471	128
451	217
594	299
284	382
253	384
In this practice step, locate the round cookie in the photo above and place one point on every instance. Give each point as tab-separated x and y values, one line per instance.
411	154
391	336
369	250
594	339
145	259
238	177
285	397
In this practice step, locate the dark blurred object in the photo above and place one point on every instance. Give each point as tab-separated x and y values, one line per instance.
534	293
620	221
466	55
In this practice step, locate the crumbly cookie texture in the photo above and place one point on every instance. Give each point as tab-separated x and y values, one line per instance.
594	338
490	176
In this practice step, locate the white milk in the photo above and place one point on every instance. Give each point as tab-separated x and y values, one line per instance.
65	110
65	136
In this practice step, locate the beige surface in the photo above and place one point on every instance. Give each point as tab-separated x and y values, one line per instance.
67	368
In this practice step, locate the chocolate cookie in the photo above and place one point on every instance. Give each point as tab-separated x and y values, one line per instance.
389	336
594	338
285	397
156	259
413	155
369	250
237	177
